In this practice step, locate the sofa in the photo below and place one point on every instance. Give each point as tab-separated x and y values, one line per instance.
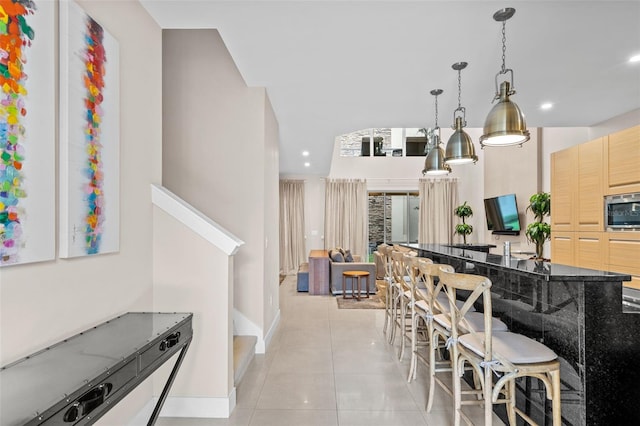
341	260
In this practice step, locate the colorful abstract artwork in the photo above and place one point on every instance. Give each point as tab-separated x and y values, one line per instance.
27	131
89	139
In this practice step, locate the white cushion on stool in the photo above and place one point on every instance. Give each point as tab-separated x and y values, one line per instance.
475	320
515	347
444	301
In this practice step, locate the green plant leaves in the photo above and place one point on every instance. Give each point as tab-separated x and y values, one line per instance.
540	205
464	229
463	211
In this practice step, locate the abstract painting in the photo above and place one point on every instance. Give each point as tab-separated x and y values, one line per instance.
89	135
27	131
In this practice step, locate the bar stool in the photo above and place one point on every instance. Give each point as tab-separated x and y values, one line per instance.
400	293
386	250
417	306
355	277
439	326
501	353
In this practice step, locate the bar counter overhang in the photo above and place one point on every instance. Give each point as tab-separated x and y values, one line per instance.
578	313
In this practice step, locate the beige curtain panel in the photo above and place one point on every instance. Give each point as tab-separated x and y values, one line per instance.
346	215
438	199
292	242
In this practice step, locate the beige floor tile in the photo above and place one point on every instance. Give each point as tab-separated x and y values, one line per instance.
382	392
380	418
303	360
365	357
300	338
239	417
295	417
298	391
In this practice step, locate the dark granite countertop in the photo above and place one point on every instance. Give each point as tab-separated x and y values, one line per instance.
547	270
469	245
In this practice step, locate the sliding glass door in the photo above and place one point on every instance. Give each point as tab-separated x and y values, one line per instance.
393	218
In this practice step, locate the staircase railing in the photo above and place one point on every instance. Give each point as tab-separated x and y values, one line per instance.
193	272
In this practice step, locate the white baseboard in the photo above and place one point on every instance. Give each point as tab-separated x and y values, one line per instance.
175	406
272	330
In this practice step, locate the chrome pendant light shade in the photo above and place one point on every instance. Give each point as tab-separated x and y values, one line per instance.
460	149
505	125
434	164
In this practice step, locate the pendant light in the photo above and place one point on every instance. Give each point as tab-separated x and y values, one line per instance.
434	164
460	149
505	125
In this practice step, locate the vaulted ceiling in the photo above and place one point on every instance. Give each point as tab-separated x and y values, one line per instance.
332	67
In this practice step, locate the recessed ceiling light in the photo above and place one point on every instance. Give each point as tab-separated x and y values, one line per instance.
546	105
307	164
634	58
305	153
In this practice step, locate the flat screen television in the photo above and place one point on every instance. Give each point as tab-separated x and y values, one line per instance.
502	215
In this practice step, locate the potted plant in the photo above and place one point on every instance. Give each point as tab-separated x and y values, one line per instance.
538	231
463	228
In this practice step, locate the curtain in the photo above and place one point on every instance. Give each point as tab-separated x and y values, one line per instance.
346	215
438	199
292	242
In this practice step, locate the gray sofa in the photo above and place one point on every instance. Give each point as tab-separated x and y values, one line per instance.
337	268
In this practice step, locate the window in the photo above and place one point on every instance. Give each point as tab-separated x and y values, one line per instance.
384	142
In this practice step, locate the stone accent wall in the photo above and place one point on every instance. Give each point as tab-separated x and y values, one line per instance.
378	204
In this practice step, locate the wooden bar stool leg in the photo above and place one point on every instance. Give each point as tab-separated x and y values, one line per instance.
555	399
367	286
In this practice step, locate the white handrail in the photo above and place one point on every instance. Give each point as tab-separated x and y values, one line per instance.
195	220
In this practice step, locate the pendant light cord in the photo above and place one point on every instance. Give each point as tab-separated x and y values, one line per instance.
459	89
504	46
459	66
504	69
436	111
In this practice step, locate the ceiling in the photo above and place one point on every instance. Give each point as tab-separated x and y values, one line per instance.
332	67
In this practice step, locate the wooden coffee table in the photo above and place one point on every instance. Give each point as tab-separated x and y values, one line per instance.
355	277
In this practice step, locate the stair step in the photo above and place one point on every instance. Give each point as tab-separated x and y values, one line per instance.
244	350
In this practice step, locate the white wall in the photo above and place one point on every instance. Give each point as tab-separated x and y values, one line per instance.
220	155
45	302
192	275
271	299
513	170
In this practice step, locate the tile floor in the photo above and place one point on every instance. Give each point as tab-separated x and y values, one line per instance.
328	366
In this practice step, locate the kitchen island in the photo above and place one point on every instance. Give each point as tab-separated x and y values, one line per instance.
576	312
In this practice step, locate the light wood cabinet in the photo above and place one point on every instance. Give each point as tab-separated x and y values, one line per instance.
563	189
589	210
623	255
590	250
624	249
562	247
622	162
580	178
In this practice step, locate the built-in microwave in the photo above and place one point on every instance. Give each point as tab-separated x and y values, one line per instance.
622	212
